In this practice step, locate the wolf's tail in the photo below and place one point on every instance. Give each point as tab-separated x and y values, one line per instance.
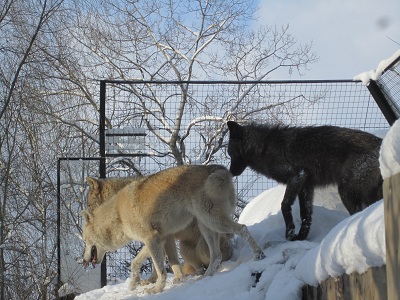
219	185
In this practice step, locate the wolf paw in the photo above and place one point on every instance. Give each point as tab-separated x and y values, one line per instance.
212	268
145	282
291	238
208	273
177	280
200	271
290	235
301	236
133	283
259	256
296	237
154	290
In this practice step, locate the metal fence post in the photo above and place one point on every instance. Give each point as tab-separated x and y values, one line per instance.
102	165
58	226
382	102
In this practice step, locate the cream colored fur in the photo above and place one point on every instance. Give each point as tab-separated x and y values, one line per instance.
153	209
193	247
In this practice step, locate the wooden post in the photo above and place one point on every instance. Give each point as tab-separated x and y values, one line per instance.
391	193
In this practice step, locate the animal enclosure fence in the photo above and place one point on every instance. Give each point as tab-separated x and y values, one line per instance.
184	122
389	85
148	126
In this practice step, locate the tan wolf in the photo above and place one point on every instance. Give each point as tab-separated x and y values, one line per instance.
193	247
154	208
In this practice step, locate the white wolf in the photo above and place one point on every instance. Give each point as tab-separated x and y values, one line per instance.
193	247
154	208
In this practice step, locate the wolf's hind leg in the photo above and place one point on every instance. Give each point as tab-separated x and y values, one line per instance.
245	234
172	254
354	192
306	197
213	241
243	231
222	223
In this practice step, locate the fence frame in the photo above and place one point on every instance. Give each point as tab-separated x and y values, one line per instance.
382	102
373	88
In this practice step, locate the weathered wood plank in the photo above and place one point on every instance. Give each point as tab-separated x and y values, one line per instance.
370	285
377	283
391	194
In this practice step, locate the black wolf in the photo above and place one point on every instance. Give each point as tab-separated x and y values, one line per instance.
306	157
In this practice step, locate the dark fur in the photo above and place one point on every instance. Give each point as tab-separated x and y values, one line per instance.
306	157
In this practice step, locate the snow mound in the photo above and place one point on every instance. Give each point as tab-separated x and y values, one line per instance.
354	245
389	158
337	244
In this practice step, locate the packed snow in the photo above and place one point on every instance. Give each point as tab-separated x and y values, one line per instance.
389	159
337	244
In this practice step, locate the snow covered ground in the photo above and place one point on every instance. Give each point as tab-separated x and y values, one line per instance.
337	244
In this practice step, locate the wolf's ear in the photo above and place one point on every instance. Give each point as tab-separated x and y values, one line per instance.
93	183
235	130
87	216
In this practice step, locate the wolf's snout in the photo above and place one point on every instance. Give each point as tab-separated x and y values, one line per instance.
93	258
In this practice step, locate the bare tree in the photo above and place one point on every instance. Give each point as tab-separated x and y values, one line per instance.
185	41
27	235
53	53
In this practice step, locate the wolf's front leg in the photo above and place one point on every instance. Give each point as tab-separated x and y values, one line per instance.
294	185
135	267
156	250
134	282
150	280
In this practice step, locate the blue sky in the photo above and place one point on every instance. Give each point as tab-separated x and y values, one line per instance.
349	36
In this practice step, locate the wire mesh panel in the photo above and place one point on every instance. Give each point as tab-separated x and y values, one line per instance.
389	84
125	141
185	123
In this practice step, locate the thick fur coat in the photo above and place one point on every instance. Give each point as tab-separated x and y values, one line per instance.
155	208
306	157
193	247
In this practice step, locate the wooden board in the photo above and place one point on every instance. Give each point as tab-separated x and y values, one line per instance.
391	194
